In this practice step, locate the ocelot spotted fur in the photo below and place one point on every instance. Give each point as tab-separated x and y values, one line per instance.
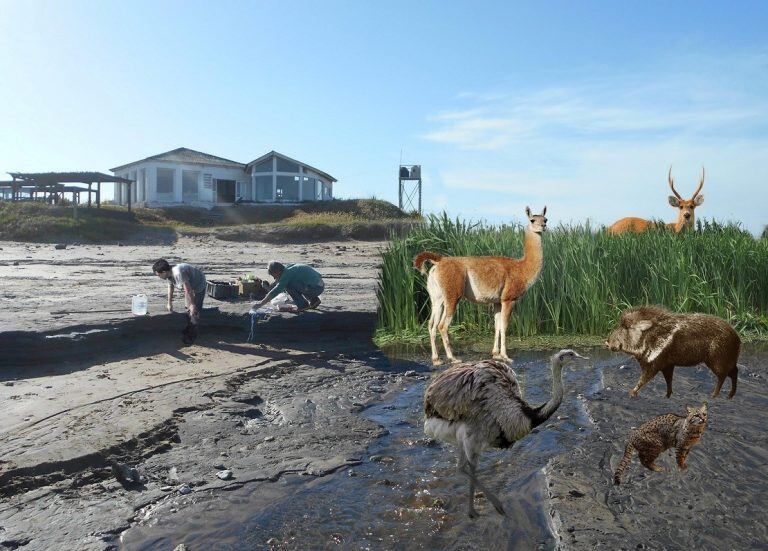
662	433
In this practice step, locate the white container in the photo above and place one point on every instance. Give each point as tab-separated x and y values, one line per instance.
281	299
139	305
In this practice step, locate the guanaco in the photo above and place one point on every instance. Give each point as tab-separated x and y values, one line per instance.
493	280
685	208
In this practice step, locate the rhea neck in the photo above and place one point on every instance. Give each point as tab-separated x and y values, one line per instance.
545	411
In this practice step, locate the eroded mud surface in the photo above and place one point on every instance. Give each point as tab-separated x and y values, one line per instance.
292	415
406	492
716	504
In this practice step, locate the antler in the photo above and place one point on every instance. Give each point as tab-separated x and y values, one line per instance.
672	184
701	184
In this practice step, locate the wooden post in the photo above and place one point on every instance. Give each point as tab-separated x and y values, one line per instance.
98	195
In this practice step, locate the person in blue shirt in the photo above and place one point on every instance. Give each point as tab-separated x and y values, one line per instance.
303	283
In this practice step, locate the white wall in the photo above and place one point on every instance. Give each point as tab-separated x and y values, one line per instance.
206	197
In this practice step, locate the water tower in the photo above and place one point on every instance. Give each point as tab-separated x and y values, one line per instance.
409	189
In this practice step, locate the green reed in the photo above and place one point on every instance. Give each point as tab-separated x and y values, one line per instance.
588	277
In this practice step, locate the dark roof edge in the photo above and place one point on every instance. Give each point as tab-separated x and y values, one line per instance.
178	149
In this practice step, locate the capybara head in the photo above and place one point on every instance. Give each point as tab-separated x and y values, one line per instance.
627	336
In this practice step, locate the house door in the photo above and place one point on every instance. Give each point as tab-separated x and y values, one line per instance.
225	191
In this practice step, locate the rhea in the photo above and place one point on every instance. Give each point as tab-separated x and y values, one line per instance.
479	405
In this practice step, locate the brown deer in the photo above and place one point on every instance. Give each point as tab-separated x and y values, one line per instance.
684	214
493	280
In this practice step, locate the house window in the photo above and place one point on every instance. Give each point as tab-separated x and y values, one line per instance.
165	180
286	166
264	166
287	188
226	191
263	188
308	186
189	185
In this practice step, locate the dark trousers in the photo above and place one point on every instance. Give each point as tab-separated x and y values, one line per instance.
303	294
199	298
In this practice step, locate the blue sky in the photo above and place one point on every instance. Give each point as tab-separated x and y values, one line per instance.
581	106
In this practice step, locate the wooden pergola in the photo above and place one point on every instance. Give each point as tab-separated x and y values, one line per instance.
52	185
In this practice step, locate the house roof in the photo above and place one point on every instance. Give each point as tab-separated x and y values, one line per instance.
274	153
186	155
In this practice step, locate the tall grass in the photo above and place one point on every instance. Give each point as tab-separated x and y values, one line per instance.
588	277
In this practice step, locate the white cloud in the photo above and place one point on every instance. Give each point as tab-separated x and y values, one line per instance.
601	148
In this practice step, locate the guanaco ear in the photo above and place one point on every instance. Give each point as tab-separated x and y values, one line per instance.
674	201
528	212
699	200
643	325
544	212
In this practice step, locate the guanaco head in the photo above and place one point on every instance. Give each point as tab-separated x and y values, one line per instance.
685	207
538	221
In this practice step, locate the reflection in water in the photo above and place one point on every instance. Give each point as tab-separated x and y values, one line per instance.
409	494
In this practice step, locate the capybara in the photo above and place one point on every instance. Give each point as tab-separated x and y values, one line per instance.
660	340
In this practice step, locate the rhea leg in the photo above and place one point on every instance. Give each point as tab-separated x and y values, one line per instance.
668	372
468	467
464	469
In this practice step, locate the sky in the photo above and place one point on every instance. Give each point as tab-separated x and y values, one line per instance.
579	106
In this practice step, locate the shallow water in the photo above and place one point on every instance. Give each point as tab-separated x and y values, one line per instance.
410	496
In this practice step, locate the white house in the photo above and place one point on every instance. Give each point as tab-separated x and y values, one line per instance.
188	177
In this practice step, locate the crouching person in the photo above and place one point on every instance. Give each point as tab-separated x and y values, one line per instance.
303	283
191	280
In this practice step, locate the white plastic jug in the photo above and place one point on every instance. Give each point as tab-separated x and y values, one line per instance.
139	305
281	299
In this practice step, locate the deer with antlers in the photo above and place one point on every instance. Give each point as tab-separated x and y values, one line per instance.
493	280
685	208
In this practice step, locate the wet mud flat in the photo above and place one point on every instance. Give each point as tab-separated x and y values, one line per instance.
258	412
719	502
84	385
298	417
556	484
405	493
